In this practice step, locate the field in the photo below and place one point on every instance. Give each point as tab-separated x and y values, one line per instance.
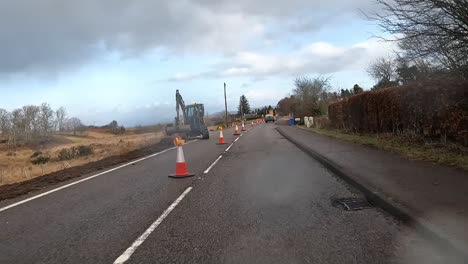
16	165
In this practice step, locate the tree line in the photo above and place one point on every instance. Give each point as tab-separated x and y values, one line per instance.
32	123
432	36
310	97
244	108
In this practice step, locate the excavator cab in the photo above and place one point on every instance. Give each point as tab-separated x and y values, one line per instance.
196	119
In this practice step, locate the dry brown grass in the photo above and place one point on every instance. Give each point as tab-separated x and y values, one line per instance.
16	166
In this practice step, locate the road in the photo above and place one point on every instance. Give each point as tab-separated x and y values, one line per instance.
263	201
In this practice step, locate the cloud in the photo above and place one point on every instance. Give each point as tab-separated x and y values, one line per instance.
261	95
315	58
139	115
53	35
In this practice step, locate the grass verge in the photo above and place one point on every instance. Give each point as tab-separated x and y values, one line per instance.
67	150
453	156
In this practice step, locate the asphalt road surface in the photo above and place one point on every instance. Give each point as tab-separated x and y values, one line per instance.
261	201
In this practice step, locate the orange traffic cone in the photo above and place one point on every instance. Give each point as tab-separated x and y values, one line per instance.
236	132
221	138
243	127
181	166
252	124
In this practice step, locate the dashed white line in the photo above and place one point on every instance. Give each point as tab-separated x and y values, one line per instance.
87	178
236	139
129	252
228	148
212	165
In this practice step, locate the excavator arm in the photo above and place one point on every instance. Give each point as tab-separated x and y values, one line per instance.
193	120
180	105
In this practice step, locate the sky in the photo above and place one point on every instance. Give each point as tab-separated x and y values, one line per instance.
123	60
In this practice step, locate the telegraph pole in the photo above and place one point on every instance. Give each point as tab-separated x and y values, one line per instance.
242	111
225	105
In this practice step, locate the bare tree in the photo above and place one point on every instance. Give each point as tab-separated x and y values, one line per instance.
383	71
435	31
74	124
286	105
308	94
60	116
27	124
46	119
31	122
5	122
17	126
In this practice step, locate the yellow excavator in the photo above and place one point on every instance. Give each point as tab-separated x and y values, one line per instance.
192	122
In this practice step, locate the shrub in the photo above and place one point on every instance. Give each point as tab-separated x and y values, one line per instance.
40	160
35	154
74	152
435	109
322	122
66	154
85	150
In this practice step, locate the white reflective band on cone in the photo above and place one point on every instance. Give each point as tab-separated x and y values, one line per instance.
180	155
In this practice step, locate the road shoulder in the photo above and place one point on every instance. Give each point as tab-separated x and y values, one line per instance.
430	197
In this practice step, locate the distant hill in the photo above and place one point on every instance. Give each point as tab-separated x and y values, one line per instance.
221	113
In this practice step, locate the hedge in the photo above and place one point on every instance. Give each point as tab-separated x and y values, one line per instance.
437	110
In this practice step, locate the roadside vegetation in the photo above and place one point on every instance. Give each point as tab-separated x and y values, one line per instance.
65	150
244	112
450	155
418	106
36	140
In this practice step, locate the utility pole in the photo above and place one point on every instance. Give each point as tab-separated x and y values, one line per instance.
242	111
225	105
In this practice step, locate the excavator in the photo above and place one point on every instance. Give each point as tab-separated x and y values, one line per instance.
193	122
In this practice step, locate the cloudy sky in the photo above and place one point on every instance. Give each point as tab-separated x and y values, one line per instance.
123	59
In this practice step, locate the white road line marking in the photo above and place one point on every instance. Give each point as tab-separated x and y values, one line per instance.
87	178
129	252
212	165
228	148
236	139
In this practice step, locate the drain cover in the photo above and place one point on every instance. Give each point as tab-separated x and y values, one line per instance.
351	204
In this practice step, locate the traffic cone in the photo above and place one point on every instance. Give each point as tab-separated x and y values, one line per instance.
221	138
243	127
181	166
252	124
236	132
